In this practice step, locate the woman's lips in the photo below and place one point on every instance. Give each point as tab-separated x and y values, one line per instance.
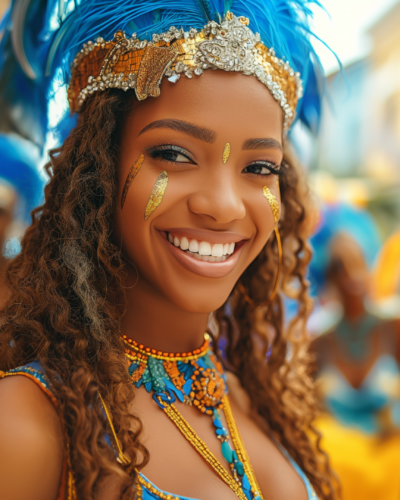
208	269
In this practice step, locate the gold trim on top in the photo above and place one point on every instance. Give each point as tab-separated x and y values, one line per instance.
123	459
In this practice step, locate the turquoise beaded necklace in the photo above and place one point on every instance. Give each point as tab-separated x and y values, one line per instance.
195	378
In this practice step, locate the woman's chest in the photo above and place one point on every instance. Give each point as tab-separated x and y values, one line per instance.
177	466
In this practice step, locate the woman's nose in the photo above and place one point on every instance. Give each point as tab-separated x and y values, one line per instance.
219	198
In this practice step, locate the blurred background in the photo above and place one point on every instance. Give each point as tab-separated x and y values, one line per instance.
354	172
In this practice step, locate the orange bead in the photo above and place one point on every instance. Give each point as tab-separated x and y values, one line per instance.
153	351
184	354
147	349
196	403
159	353
171	354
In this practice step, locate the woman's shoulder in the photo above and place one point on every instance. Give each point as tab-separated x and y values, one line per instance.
31	437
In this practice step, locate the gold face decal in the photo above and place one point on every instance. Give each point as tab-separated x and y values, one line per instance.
157	194
273	202
226	153
131	177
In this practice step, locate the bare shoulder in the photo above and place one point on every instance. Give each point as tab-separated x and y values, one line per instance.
31	442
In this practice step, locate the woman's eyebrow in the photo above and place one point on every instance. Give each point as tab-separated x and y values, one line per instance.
204	134
262	144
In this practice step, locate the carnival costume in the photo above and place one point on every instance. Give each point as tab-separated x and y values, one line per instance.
132	46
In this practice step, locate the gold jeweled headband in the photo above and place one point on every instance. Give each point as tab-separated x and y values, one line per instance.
130	63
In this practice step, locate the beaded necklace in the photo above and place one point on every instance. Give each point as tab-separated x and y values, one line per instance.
195	378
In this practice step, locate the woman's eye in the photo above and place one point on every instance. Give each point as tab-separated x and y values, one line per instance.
170	154
262	169
174	157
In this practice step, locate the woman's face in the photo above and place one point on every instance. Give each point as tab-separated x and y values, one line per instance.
208	206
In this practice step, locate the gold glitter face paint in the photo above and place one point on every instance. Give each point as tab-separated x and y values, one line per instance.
273	202
131	177
226	153
157	194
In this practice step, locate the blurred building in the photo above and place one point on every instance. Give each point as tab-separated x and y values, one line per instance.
357	156
383	89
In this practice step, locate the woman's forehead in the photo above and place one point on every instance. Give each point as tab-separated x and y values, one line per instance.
217	102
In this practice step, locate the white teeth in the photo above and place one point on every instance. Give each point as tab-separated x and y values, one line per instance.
184	243
193	246
204	248
217	250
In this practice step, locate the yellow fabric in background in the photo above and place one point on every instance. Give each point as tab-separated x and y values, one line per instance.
368	467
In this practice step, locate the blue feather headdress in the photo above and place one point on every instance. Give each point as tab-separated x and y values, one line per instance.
40	38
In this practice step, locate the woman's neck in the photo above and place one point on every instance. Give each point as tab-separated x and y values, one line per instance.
151	319
353	306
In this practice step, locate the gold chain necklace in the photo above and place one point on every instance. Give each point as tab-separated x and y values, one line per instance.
190	435
199	445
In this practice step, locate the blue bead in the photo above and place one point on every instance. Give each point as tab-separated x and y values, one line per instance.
227	452
245	483
221	432
257	498
187	387
217	422
235	457
247	493
133	368
239	468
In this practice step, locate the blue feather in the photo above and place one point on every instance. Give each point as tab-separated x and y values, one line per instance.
48	34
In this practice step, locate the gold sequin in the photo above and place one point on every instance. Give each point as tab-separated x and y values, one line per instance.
273	202
226	153
153	65
157	194
131	176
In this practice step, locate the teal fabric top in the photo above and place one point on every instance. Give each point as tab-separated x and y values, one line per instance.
361	407
146	489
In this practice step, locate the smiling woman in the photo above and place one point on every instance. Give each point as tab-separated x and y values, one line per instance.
144	348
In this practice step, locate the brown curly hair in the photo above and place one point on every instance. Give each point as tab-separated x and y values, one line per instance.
67	300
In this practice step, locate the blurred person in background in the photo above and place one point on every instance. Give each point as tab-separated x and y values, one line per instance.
21	189
358	376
